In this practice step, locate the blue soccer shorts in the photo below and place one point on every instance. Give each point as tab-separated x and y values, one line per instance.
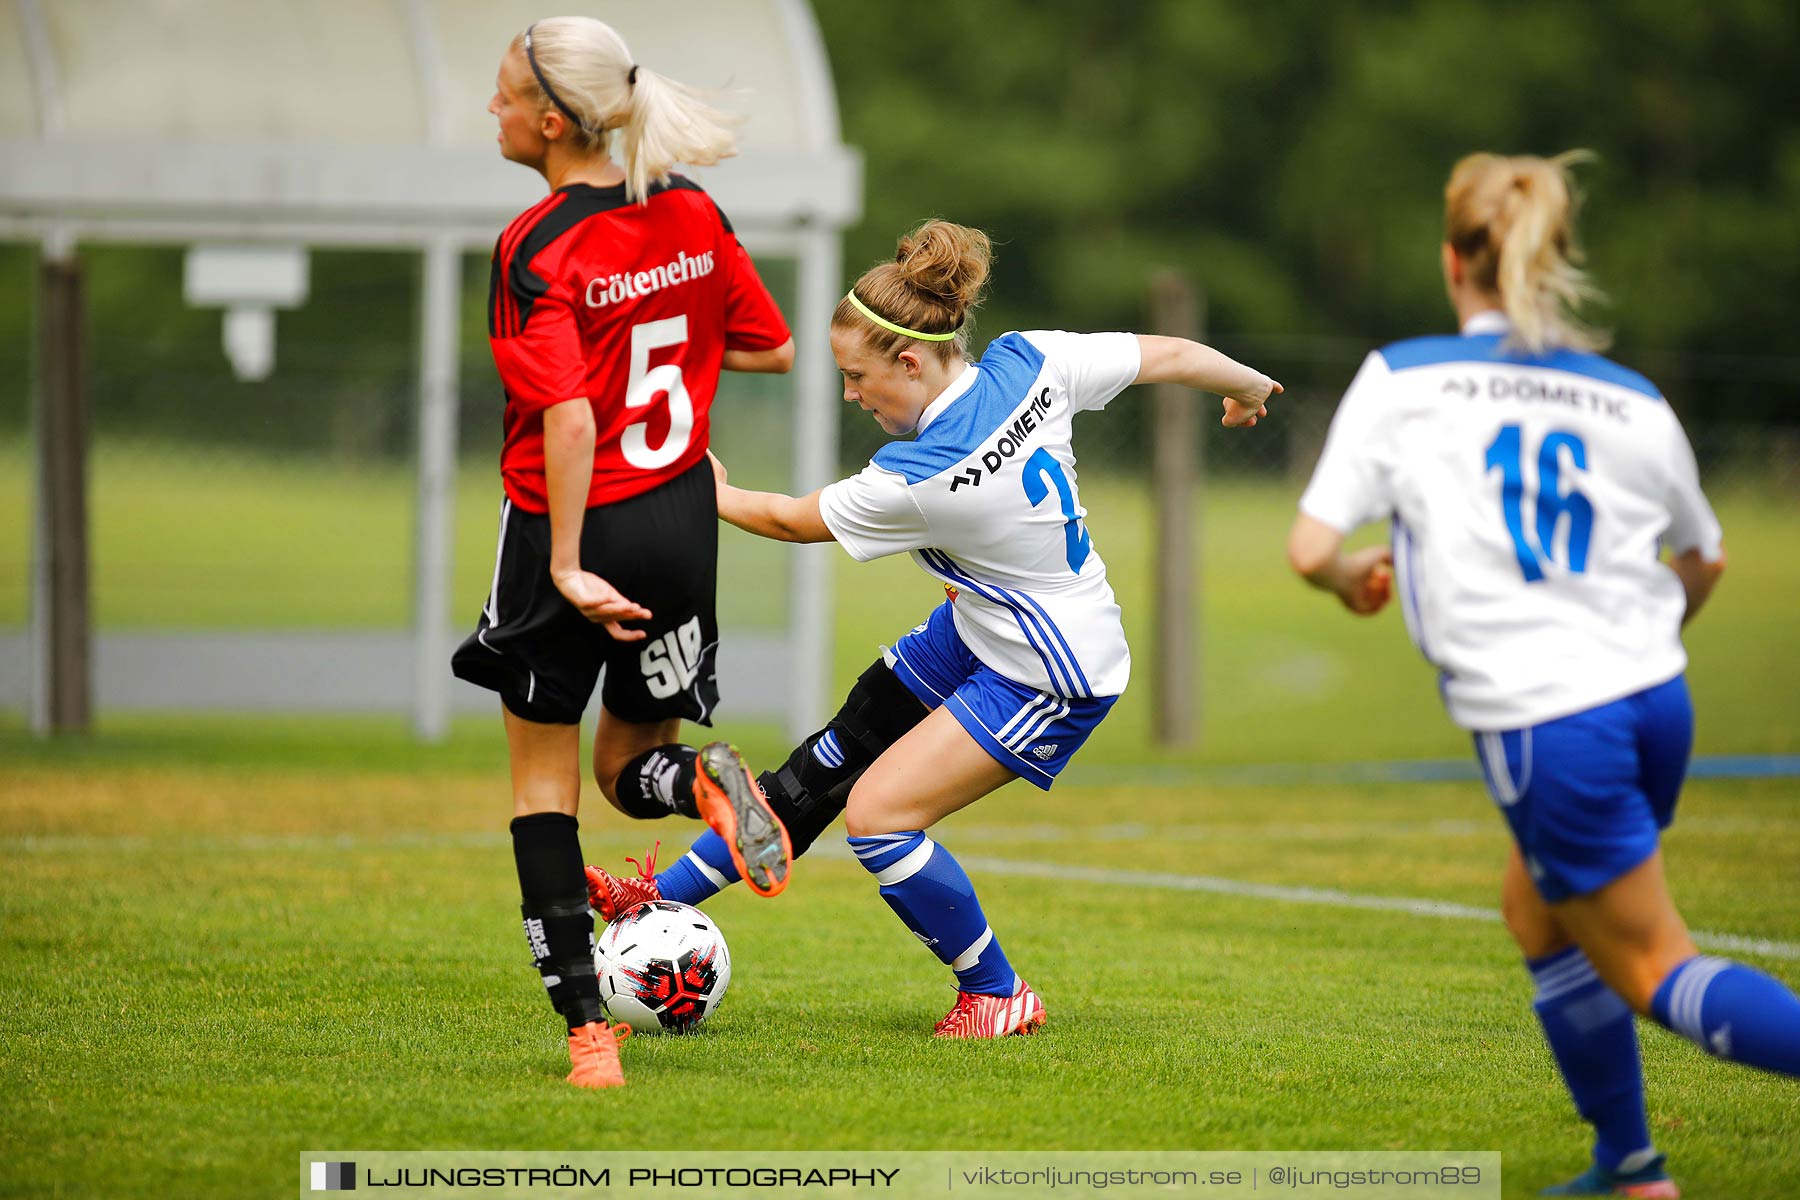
1587	795
1029	732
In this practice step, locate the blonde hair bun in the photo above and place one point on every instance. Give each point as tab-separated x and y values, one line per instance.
933	284
946	262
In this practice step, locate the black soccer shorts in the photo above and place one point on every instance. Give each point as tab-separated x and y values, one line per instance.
660	549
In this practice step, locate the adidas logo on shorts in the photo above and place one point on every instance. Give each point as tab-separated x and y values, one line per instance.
1044	753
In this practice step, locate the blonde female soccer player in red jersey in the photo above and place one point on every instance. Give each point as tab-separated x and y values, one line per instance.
613	305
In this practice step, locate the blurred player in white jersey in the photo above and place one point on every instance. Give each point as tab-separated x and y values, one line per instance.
1008	677
1532	486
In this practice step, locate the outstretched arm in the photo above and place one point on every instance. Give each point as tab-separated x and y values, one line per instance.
1190	364
769	514
1362	579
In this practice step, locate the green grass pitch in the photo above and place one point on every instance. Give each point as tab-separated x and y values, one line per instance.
209	969
223	941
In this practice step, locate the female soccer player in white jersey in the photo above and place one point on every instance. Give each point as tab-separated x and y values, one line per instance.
614	303
1531	486
1008	678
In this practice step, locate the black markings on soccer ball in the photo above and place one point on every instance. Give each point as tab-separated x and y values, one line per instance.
679	992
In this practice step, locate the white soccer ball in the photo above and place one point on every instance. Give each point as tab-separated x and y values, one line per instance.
663	967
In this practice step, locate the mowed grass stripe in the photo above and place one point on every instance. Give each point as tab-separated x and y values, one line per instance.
1104	877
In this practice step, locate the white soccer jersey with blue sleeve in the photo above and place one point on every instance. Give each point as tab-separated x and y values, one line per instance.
984	498
1529	499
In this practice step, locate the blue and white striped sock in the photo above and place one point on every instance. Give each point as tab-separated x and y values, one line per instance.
929	891
828	751
1594	1040
700	874
1732	1011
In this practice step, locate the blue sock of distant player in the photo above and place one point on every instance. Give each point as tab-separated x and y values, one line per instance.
1732	1011
928	890
1593	1036
700	874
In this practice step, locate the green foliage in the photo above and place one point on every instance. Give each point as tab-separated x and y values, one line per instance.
1292	159
1289	157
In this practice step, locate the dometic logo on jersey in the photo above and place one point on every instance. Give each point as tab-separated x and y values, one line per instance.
1012	438
631	285
1530	390
1010	442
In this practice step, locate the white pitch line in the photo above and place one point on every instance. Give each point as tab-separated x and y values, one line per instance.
1023	868
1331	897
1035	832
1308	831
1222	831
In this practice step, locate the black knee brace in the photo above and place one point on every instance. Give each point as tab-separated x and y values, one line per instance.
810	789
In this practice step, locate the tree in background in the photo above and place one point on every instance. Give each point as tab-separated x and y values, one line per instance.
1292	158
1289	156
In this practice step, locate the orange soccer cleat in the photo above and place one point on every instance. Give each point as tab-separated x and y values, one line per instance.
609	894
982	1016
736	809
594	1055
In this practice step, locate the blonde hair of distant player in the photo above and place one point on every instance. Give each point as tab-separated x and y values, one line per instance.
658	121
933	285
1511	221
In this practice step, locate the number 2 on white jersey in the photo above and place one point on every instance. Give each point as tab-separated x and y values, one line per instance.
1041	466
643	386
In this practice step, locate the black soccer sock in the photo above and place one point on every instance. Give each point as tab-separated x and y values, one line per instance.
558	926
659	782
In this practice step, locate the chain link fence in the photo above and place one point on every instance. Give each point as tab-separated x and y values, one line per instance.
288	504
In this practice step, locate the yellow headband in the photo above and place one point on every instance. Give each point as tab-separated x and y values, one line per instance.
902	330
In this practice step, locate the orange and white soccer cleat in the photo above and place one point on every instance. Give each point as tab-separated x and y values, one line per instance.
983	1016
734	806
594	1055
609	894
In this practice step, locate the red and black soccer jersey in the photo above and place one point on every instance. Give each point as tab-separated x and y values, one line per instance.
632	306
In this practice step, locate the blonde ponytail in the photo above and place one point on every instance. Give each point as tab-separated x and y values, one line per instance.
583	68
932	286
1512	222
667	123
